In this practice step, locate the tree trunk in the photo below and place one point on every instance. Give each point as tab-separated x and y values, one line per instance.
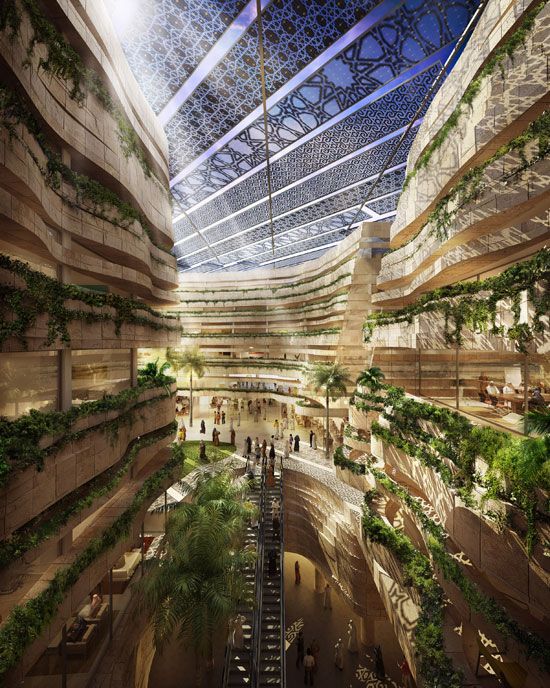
198	669
327	441
191	399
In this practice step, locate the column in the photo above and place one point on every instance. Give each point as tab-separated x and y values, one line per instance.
64	362
320	581
65	379
133	367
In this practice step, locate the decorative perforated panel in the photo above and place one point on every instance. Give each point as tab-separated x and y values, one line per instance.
344	79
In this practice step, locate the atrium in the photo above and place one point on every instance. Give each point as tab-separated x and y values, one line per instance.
275	350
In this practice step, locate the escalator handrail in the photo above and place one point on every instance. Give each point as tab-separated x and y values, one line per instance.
257	625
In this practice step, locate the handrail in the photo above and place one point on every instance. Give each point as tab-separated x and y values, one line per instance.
256	641
281	573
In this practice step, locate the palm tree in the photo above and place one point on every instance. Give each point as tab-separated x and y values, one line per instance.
192	592
154	374
190	361
538	420
372	378
333	379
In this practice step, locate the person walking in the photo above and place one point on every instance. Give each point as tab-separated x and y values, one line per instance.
264	449
327	601
297	574
291	441
246	452
311	438
272	453
203	428
339	655
232	435
300	649
309	666
223	417
214	434
297	443
286	450
202	451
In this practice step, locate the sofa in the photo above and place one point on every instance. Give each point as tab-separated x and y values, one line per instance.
124	568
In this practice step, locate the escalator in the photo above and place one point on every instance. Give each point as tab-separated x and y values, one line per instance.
261	662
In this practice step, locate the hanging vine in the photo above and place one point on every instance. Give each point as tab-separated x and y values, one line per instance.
89	195
474	304
64	62
43	295
496	59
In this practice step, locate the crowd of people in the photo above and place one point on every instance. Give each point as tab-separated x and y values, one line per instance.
492	393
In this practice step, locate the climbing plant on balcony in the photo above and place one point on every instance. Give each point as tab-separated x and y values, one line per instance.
474	304
43	295
49	522
64	62
435	666
88	194
496	60
21	439
435	537
27	621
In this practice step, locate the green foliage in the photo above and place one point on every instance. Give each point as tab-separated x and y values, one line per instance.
331	378
154	374
20	439
88	194
371	378
343	462
20	308
477	600
292	286
196	588
314	290
435	666
471	185
497	58
27	621
64	62
49	522
538	420
246	335
517	467
516	471
474	303
290	309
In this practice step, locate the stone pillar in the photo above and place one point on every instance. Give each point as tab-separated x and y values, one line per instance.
64	360
320	581
133	367
64	379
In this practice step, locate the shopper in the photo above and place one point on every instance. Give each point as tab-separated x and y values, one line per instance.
309	666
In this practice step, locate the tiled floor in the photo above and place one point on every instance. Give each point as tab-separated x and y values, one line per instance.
304	609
